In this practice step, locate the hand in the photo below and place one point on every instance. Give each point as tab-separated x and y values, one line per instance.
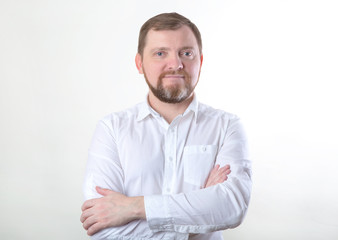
112	210
217	175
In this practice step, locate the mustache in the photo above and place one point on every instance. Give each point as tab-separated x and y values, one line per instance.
178	72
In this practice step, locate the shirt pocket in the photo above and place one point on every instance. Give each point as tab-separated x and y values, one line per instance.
198	161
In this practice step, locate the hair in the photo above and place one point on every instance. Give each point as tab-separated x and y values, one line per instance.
166	21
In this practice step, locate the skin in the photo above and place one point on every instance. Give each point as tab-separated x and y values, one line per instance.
217	175
115	209
165	51
174	47
112	210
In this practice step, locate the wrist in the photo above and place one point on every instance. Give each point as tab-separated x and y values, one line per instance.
138	210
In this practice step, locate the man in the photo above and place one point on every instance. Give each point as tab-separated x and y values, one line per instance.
161	170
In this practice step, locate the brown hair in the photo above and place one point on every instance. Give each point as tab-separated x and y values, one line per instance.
166	21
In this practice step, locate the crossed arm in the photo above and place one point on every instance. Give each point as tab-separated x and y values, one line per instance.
115	209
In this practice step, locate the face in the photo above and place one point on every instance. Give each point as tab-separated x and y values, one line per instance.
171	64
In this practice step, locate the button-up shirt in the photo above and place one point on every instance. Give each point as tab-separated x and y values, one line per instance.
137	153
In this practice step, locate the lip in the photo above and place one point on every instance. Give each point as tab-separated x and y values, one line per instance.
174	76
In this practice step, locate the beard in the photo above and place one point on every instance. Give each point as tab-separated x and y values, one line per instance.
172	94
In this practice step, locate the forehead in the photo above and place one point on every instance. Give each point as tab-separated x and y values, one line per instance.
181	37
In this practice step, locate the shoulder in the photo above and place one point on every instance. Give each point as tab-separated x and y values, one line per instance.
216	118
120	118
206	111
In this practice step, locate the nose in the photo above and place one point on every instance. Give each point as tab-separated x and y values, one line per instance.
175	63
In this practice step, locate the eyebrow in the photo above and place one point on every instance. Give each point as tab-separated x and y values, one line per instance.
166	49
159	49
185	48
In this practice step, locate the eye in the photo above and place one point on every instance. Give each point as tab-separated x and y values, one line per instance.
187	53
159	54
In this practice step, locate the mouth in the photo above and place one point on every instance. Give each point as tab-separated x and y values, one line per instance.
174	76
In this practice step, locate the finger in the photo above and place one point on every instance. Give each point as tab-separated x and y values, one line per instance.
85	214
212	174
88	204
226	167
214	170
103	191
217	179
220	178
100	190
89	222
82	218
94	228
227	172
221	172
224	171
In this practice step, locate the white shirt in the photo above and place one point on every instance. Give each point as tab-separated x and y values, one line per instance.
137	153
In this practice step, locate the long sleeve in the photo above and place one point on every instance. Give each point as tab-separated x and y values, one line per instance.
135	153
103	166
104	170
215	208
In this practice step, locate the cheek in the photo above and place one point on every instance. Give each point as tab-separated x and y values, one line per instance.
153	69
152	73
194	71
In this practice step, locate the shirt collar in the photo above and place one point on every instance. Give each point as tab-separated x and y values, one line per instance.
144	109
193	107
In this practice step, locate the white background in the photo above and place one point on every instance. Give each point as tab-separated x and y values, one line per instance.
66	64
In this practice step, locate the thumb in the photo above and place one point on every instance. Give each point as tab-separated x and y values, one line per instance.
103	191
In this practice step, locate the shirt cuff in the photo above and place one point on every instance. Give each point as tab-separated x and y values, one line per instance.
157	213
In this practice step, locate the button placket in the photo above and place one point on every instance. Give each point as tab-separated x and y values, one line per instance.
170	156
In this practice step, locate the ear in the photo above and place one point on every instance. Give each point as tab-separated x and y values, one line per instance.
138	62
201	59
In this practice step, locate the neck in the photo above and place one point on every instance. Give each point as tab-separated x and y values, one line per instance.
169	111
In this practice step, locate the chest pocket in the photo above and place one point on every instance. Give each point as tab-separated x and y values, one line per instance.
198	161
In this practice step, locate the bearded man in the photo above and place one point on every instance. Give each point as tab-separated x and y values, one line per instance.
161	169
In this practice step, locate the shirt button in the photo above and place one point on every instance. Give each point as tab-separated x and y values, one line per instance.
170	159
168	189
204	149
